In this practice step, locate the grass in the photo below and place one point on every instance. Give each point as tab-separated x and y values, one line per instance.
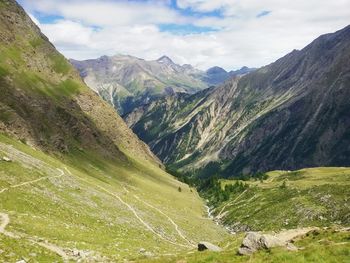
324	246
80	211
308	197
59	63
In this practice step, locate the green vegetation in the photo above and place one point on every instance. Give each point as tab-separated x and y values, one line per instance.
86	209
60	64
3	72
36	42
324	246
309	197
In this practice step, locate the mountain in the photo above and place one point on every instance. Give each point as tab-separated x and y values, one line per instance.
217	75
76	184
242	71
126	82
288	115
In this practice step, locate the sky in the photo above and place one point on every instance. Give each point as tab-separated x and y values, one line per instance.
203	33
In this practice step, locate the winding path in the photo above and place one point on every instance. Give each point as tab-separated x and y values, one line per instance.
32	181
5	219
191	243
133	211
53	248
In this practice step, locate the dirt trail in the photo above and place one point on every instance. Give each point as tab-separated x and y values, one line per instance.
133	211
33	181
191	243
57	250
53	248
5	221
290	234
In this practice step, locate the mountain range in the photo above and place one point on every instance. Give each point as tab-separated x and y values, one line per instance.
127	82
288	115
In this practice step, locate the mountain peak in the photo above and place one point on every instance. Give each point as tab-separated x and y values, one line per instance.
216	70
165	60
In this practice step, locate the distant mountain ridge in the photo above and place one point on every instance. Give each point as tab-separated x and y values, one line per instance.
291	114
127	82
217	75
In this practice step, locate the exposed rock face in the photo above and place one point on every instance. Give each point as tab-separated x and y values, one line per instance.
290	114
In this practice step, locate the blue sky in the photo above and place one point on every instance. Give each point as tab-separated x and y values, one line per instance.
204	33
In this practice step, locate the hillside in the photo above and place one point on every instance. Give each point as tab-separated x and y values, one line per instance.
307	197
75	183
288	115
308	207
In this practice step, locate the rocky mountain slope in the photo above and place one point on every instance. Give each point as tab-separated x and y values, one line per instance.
127	82
76	184
288	115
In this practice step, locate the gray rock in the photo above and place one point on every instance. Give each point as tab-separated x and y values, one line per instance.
269	241
245	251
253	242
208	246
6	159
291	247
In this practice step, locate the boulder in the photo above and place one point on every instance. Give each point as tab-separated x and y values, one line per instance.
6	159
208	246
253	242
250	244
269	241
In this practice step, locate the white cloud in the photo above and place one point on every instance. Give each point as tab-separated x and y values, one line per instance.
243	39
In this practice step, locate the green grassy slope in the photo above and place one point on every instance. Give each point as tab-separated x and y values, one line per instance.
308	197
108	210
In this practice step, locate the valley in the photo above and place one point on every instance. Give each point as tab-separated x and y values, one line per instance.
209	165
